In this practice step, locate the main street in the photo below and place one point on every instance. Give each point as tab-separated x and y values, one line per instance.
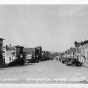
45	71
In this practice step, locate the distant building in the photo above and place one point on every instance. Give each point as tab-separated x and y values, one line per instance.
82	48
29	50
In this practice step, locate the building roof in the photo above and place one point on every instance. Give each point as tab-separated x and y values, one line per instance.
77	44
18	46
1	38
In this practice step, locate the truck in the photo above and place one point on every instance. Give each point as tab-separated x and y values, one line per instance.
35	55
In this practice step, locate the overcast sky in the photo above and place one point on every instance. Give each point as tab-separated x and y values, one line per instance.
54	27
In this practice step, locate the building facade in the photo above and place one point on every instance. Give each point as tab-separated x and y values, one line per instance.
82	50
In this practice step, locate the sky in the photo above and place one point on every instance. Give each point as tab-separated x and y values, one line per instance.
54	27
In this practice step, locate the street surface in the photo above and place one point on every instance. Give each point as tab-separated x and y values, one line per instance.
46	70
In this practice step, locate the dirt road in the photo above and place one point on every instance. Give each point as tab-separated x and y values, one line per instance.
47	70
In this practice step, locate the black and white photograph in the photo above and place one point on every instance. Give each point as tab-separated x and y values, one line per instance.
44	44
